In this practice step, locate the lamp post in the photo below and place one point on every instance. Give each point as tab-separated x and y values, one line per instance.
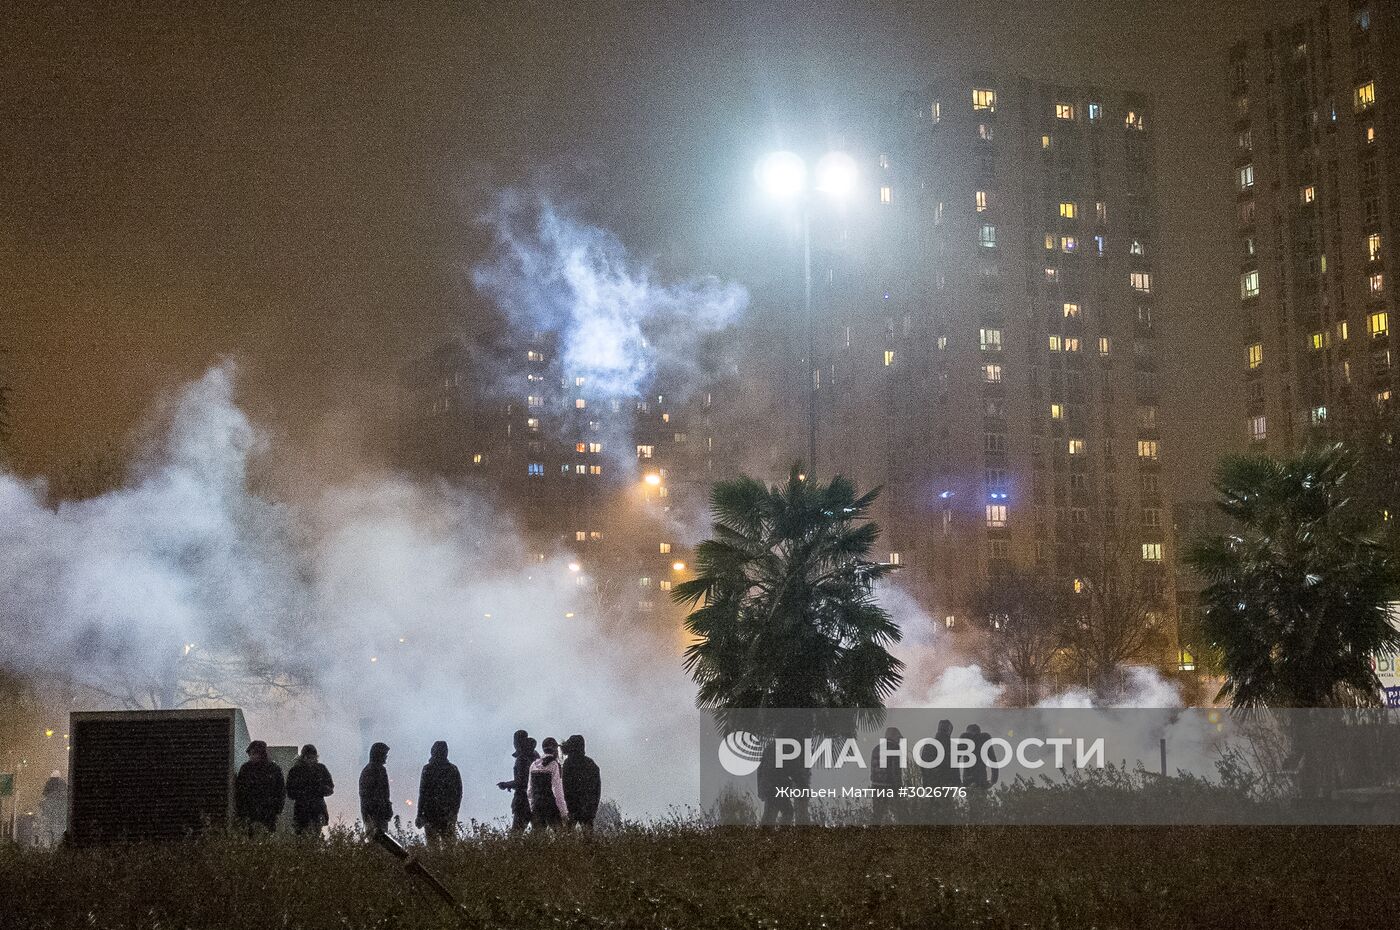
783	177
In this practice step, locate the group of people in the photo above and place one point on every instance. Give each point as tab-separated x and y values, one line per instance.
552	790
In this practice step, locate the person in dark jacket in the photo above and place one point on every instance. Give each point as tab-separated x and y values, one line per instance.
886	774
259	792
376	810
439	796
308	785
978	775
773	779
548	806
583	783
944	775
520	781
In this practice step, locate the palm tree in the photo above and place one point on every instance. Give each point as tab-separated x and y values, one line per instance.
786	614
1298	596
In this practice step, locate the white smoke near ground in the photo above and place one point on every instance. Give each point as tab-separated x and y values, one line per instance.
411	612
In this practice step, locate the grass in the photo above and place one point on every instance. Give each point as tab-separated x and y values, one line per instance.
682	877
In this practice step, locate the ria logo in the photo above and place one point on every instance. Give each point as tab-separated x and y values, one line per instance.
740	752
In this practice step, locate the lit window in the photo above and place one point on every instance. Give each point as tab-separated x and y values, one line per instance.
1373	247
1064	111
991	340
1051	273
1383	397
984	132
536	469
1249	284
581	469
1377	281
991	374
935	111
1095	111
987	237
581	447
532	424
1134	120
1246	177
1057	411
1343	330
1147	449
580	403
534	356
1045	142
889	357
886	194
534	400
477	459
1316	341
1141	281
595	469
665	548
894	558
884	160
1076	447
1136	248
1370	134
981	201
984	99
996	515
1071	343
595	447
1256	355
1152	552
1068	244
1050	241
579	381
1071	311
1103	345
1378	323
1365	96
1318	415
1067	210
1308	194
1258	429
1054	343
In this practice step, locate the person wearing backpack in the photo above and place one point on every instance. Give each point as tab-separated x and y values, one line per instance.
548	807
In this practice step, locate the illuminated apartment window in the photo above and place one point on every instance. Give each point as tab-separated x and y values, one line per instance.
645	452
984	99
595	447
996	515
1246	177
935	111
1370	134
1057	411
1383	397
534	400
886	194
1045	142
665	548
1377	282
1318	415
477	459
532	424
991	340
1378	323
985	132
981	201
579	381
884	160
1055	342
1249	284
1067	210
1258	429
1068	244
536	469
1052	273
581	469
1095	112
1152	552
534	356
889	358
1071	343
942	343
1147	449
595	469
664	585
1076	447
987	237
991	374
1050	242
581	535
581	447
1343	330
1373	247
1141	281
1308	194
894	558
1071	311
1256	355
1134	120
580	403
1104	345
1364	97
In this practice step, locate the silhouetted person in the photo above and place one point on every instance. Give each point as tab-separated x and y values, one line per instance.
439	796
583	783
53	809
259	792
886	774
308	785
772	780
520	781
978	774
548	806
944	775
376	809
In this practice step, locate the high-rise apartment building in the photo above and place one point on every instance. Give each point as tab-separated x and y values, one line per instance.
989	349
1317	162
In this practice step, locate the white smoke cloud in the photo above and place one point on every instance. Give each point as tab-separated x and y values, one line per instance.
412	610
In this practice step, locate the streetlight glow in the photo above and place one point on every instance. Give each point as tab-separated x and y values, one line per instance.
782	175
837	175
652	479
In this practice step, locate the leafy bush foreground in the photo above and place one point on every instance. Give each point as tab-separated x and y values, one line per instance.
686	877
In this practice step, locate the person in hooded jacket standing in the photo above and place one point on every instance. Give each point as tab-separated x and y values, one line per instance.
308	785
548	807
519	783
376	810
583	783
259	790
439	796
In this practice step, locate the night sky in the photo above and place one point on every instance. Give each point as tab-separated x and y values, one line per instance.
296	187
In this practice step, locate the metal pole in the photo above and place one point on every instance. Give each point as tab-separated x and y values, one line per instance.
811	342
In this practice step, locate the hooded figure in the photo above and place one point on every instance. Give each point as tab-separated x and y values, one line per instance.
520	781
548	807
978	774
259	792
886	775
943	774
376	810
308	785
439	796
583	783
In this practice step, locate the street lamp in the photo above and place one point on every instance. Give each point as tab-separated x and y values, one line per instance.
783	177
